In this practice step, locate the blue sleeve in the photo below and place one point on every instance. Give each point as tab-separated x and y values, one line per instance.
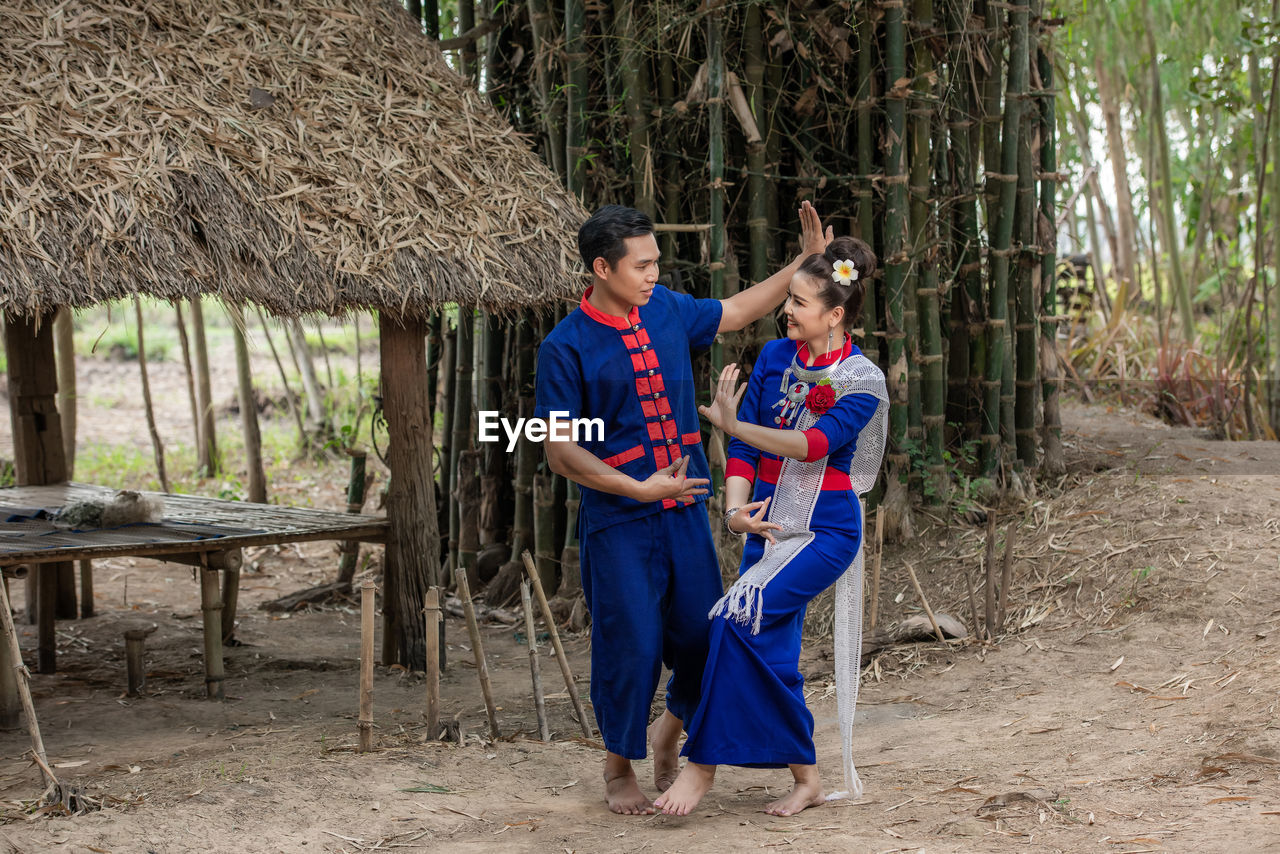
700	317
749	411
557	381
840	425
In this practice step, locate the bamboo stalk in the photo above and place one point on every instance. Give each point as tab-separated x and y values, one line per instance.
350	556
988	563
207	456
535	668
1006	572
65	354
432	609
24	688
211	612
365	723
477	647
933	621
464	356
565	671
157	445
86	589
248	408
875	571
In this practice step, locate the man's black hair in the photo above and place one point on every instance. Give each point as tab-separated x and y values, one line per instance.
604	234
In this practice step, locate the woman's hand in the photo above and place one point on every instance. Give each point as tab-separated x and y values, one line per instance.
813	239
723	411
746	522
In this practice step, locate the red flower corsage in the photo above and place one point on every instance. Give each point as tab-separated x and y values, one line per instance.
820	398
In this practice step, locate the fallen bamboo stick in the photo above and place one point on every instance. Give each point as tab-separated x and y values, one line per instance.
365	722
581	711
875	570
477	647
432	610
535	667
1006	572
23	677
933	621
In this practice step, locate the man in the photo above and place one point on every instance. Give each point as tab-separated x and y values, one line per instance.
649	568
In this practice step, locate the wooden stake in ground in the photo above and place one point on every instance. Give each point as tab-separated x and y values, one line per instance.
988	563
432	609
933	621
581	711
535	668
469	611
24	689
875	571
366	665
1006	572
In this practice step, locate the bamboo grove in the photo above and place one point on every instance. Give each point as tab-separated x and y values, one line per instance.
925	127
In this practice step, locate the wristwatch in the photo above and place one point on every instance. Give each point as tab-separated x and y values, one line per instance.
729	514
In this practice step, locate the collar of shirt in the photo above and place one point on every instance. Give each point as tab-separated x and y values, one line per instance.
820	361
613	320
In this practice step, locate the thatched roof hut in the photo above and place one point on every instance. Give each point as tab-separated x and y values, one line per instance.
306	156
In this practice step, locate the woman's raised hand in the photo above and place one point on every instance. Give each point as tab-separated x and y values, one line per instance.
723	411
747	522
813	238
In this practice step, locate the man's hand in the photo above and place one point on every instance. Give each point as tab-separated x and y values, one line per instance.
813	239
723	411
670	482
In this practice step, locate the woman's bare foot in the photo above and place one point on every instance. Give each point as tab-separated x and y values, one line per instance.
807	792
621	790
664	739
685	793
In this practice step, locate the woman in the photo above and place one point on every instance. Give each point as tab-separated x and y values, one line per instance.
810	436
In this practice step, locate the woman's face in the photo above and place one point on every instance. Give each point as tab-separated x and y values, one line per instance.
808	318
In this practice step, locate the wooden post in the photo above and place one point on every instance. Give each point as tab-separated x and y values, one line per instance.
433	663
875	571
134	641
477	647
535	667
24	690
413	541
232	562
46	607
355	503
10	704
1006	574
211	611
86	589
248	407
569	683
366	665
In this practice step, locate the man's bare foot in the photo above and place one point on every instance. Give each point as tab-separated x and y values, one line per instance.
664	738
621	790
683	796
807	792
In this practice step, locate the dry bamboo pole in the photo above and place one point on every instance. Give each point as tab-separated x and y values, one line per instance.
875	571
190	372
1006	572
933	621
157	445
477	647
973	606
432	609
135	666
365	722
581	711
211	612
716	91
248	407
208	444
64	351
535	667
988	564
24	688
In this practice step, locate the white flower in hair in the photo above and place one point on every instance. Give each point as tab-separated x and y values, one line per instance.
844	272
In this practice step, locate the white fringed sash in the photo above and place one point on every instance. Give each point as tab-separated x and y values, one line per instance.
794	499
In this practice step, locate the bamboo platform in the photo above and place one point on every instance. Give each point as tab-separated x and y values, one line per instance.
205	532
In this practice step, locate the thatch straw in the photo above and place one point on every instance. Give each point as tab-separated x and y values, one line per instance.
309	156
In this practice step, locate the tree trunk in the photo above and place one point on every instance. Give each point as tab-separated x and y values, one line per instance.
1127	290
207	453
311	388
190	371
157	446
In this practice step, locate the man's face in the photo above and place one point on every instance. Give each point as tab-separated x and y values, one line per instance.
632	279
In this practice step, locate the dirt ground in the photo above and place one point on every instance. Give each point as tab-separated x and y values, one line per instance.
1131	706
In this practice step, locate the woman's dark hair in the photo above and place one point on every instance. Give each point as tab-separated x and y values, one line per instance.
604	235
832	293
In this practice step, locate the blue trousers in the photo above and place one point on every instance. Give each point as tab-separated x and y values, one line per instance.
649	584
752	711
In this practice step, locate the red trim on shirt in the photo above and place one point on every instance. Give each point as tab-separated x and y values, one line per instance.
739	468
690	438
818	445
632	318
802	351
625	457
833	480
